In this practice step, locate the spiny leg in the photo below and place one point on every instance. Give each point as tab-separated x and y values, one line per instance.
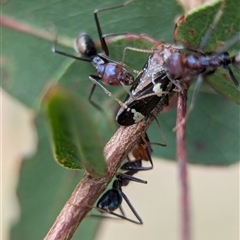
94	80
135	50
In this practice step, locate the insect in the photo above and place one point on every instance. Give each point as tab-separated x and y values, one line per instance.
151	87
112	198
165	70
195	63
199	63
185	67
108	71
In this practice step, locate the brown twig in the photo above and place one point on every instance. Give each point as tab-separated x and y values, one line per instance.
182	163
90	188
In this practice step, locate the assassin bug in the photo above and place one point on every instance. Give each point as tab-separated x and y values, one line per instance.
175	67
112	198
110	72
151	87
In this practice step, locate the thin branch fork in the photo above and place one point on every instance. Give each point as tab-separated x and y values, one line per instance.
89	189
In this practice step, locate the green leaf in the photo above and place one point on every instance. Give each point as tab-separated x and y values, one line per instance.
27	64
43	189
74	133
190	32
28	60
212	134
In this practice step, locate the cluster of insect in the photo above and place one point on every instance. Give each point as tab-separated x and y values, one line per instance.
166	68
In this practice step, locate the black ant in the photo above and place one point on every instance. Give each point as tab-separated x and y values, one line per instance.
184	67
112	198
110	72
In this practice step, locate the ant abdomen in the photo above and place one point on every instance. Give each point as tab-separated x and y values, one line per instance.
113	74
194	62
186	66
110	200
174	66
85	45
211	60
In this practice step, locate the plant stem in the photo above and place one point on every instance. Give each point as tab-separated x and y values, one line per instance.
182	164
90	188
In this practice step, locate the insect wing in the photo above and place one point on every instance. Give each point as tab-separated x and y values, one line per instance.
140	108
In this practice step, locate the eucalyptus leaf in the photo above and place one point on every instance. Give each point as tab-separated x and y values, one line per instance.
74	134
192	28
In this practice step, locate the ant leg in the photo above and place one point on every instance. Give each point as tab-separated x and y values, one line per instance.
196	90
90	97
132	208
67	54
235	60
194	96
131	178
135	50
94	79
122	215
164	144
212	26
231	75
122	211
127	48
102	40
125	218
130	167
